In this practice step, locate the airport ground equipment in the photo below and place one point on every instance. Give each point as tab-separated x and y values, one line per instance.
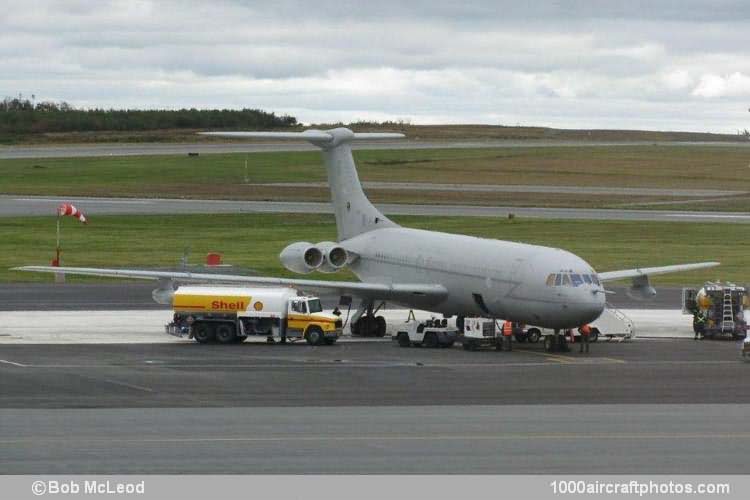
479	332
718	309
430	333
231	314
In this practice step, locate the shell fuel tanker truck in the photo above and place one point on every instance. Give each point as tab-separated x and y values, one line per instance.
228	315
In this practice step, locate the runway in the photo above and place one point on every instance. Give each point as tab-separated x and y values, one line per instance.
140	149
521	188
372	407
521	439
19	206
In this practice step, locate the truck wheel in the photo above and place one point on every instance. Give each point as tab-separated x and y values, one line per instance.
203	333
225	333
314	335
381	326
430	340
403	340
330	341
533	335
594	335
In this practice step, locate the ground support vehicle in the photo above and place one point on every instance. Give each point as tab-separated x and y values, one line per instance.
745	349
431	333
718	310
230	314
480	332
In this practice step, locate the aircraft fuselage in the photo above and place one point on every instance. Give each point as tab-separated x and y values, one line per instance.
483	277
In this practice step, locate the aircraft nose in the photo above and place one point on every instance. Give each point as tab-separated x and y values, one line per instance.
593	305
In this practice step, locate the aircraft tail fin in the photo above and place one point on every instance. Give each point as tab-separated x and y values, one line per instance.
354	212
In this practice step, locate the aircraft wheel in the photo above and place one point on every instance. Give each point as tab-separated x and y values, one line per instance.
225	333
381	326
548	343
203	333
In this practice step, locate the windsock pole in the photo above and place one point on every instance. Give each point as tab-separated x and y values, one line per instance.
57	247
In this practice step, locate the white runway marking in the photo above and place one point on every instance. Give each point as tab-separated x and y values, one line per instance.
6	362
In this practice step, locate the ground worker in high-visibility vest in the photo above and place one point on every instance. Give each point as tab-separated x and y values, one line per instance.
507	334
699	324
585	332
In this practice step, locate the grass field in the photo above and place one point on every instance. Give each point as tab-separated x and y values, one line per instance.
254	241
424	132
225	176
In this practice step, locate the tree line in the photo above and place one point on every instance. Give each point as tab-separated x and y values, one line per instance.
19	116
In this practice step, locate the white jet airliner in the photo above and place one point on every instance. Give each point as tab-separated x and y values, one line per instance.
445	273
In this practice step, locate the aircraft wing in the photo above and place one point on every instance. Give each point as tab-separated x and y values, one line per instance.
393	292
650	271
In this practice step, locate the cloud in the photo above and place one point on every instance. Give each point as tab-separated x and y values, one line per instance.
571	63
732	85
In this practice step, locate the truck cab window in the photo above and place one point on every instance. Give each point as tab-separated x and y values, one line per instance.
299	307
314	306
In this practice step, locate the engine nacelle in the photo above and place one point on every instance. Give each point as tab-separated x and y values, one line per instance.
335	257
165	293
301	257
641	289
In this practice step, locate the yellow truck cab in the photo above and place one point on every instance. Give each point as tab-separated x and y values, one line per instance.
231	314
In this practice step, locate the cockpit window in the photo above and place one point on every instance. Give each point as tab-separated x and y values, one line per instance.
577	280
566	279
558	280
587	279
551	280
595	279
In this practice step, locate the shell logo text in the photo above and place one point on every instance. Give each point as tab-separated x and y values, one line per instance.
228	306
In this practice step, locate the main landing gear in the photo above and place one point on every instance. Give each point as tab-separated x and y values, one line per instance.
367	324
556	343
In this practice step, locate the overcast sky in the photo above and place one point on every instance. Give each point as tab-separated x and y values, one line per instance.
662	65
